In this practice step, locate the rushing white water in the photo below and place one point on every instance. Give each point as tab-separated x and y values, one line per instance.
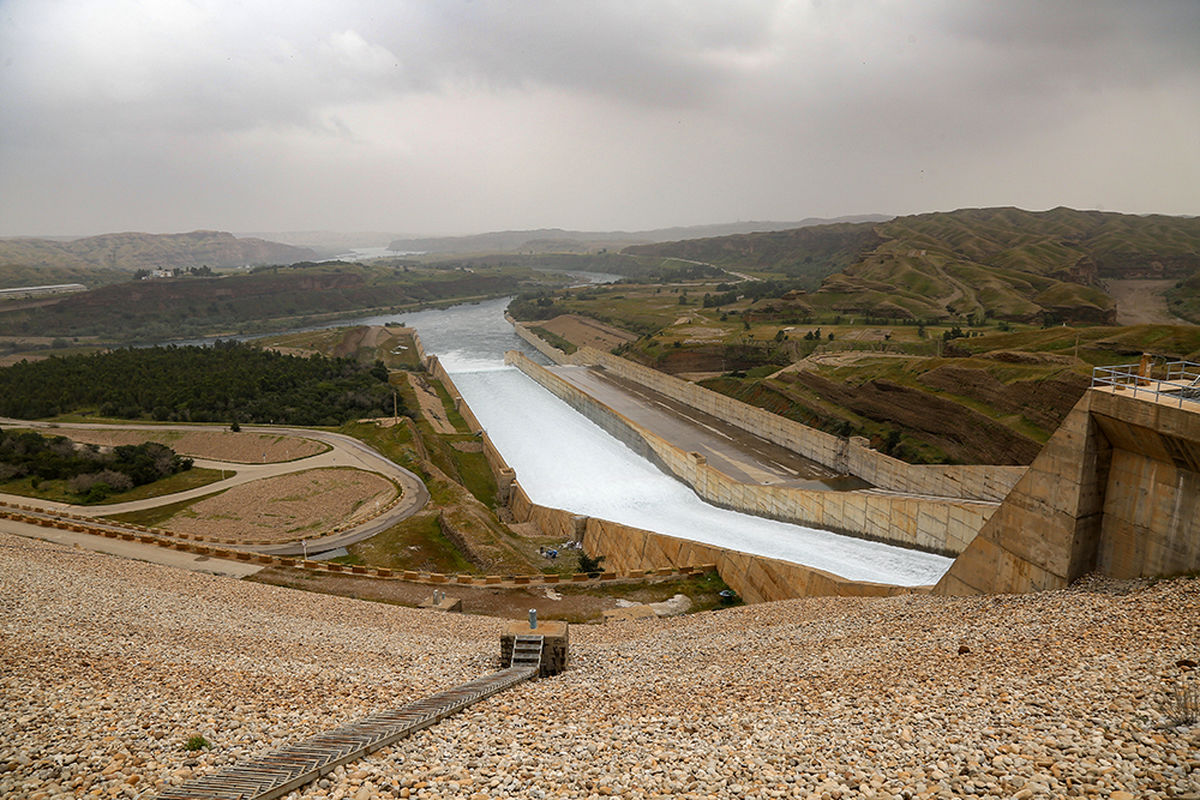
564	460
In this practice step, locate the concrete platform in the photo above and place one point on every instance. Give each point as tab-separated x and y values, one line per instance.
556	635
451	605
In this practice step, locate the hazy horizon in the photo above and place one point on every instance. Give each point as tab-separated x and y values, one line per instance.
459	118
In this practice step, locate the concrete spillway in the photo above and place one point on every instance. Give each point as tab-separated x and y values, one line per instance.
563	460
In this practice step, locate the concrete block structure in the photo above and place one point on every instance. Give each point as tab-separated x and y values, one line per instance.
1116	491
556	636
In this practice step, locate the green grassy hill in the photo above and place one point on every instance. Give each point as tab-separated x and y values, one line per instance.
13	275
1003	263
807	255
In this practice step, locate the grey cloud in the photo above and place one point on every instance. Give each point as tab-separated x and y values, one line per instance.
458	115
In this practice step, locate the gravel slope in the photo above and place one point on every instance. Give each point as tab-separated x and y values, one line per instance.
107	666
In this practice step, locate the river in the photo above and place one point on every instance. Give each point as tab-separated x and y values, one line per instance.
564	460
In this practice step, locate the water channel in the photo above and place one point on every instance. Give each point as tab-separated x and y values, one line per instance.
564	460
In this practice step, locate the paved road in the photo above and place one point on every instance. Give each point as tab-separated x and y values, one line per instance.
345	451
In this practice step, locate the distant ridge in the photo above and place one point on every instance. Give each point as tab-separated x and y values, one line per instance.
542	240
133	251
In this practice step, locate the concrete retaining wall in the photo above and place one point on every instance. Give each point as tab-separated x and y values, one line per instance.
941	526
420	348
503	474
989	483
538	343
758	579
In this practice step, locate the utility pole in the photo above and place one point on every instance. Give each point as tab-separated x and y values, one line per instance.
395	409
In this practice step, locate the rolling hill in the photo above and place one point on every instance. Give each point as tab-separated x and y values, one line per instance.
1004	263
133	251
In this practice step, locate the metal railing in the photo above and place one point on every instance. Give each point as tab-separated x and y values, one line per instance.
1174	381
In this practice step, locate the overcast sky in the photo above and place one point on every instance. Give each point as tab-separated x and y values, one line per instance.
447	116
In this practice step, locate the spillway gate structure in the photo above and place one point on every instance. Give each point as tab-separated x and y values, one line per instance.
279	772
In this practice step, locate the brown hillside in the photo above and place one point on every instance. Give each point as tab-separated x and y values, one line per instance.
134	251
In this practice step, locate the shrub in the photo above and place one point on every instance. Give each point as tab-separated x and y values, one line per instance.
1182	706
195	743
113	482
589	564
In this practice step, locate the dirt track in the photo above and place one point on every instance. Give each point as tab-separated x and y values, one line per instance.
431	404
1141	302
343	451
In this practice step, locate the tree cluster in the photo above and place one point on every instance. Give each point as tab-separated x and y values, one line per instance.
228	381
91	473
534	306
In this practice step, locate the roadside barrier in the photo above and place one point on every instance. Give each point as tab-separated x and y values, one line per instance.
189	544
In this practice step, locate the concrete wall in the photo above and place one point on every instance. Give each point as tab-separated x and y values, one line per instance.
757	579
501	471
541	345
1151	513
628	550
942	526
1115	490
420	348
989	483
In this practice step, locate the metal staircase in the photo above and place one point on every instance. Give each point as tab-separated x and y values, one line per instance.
527	652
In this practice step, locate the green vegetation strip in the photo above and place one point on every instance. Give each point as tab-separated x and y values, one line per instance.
227	382
555	340
57	491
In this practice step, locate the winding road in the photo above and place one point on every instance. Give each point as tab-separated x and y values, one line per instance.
344	451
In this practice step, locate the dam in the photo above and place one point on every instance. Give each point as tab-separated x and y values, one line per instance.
1113	491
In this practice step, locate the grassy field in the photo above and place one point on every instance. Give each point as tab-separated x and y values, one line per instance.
416	544
394	346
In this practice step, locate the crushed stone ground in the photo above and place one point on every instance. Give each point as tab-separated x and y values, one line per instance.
108	666
218	445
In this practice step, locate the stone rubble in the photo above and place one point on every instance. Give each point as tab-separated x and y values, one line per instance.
108	666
